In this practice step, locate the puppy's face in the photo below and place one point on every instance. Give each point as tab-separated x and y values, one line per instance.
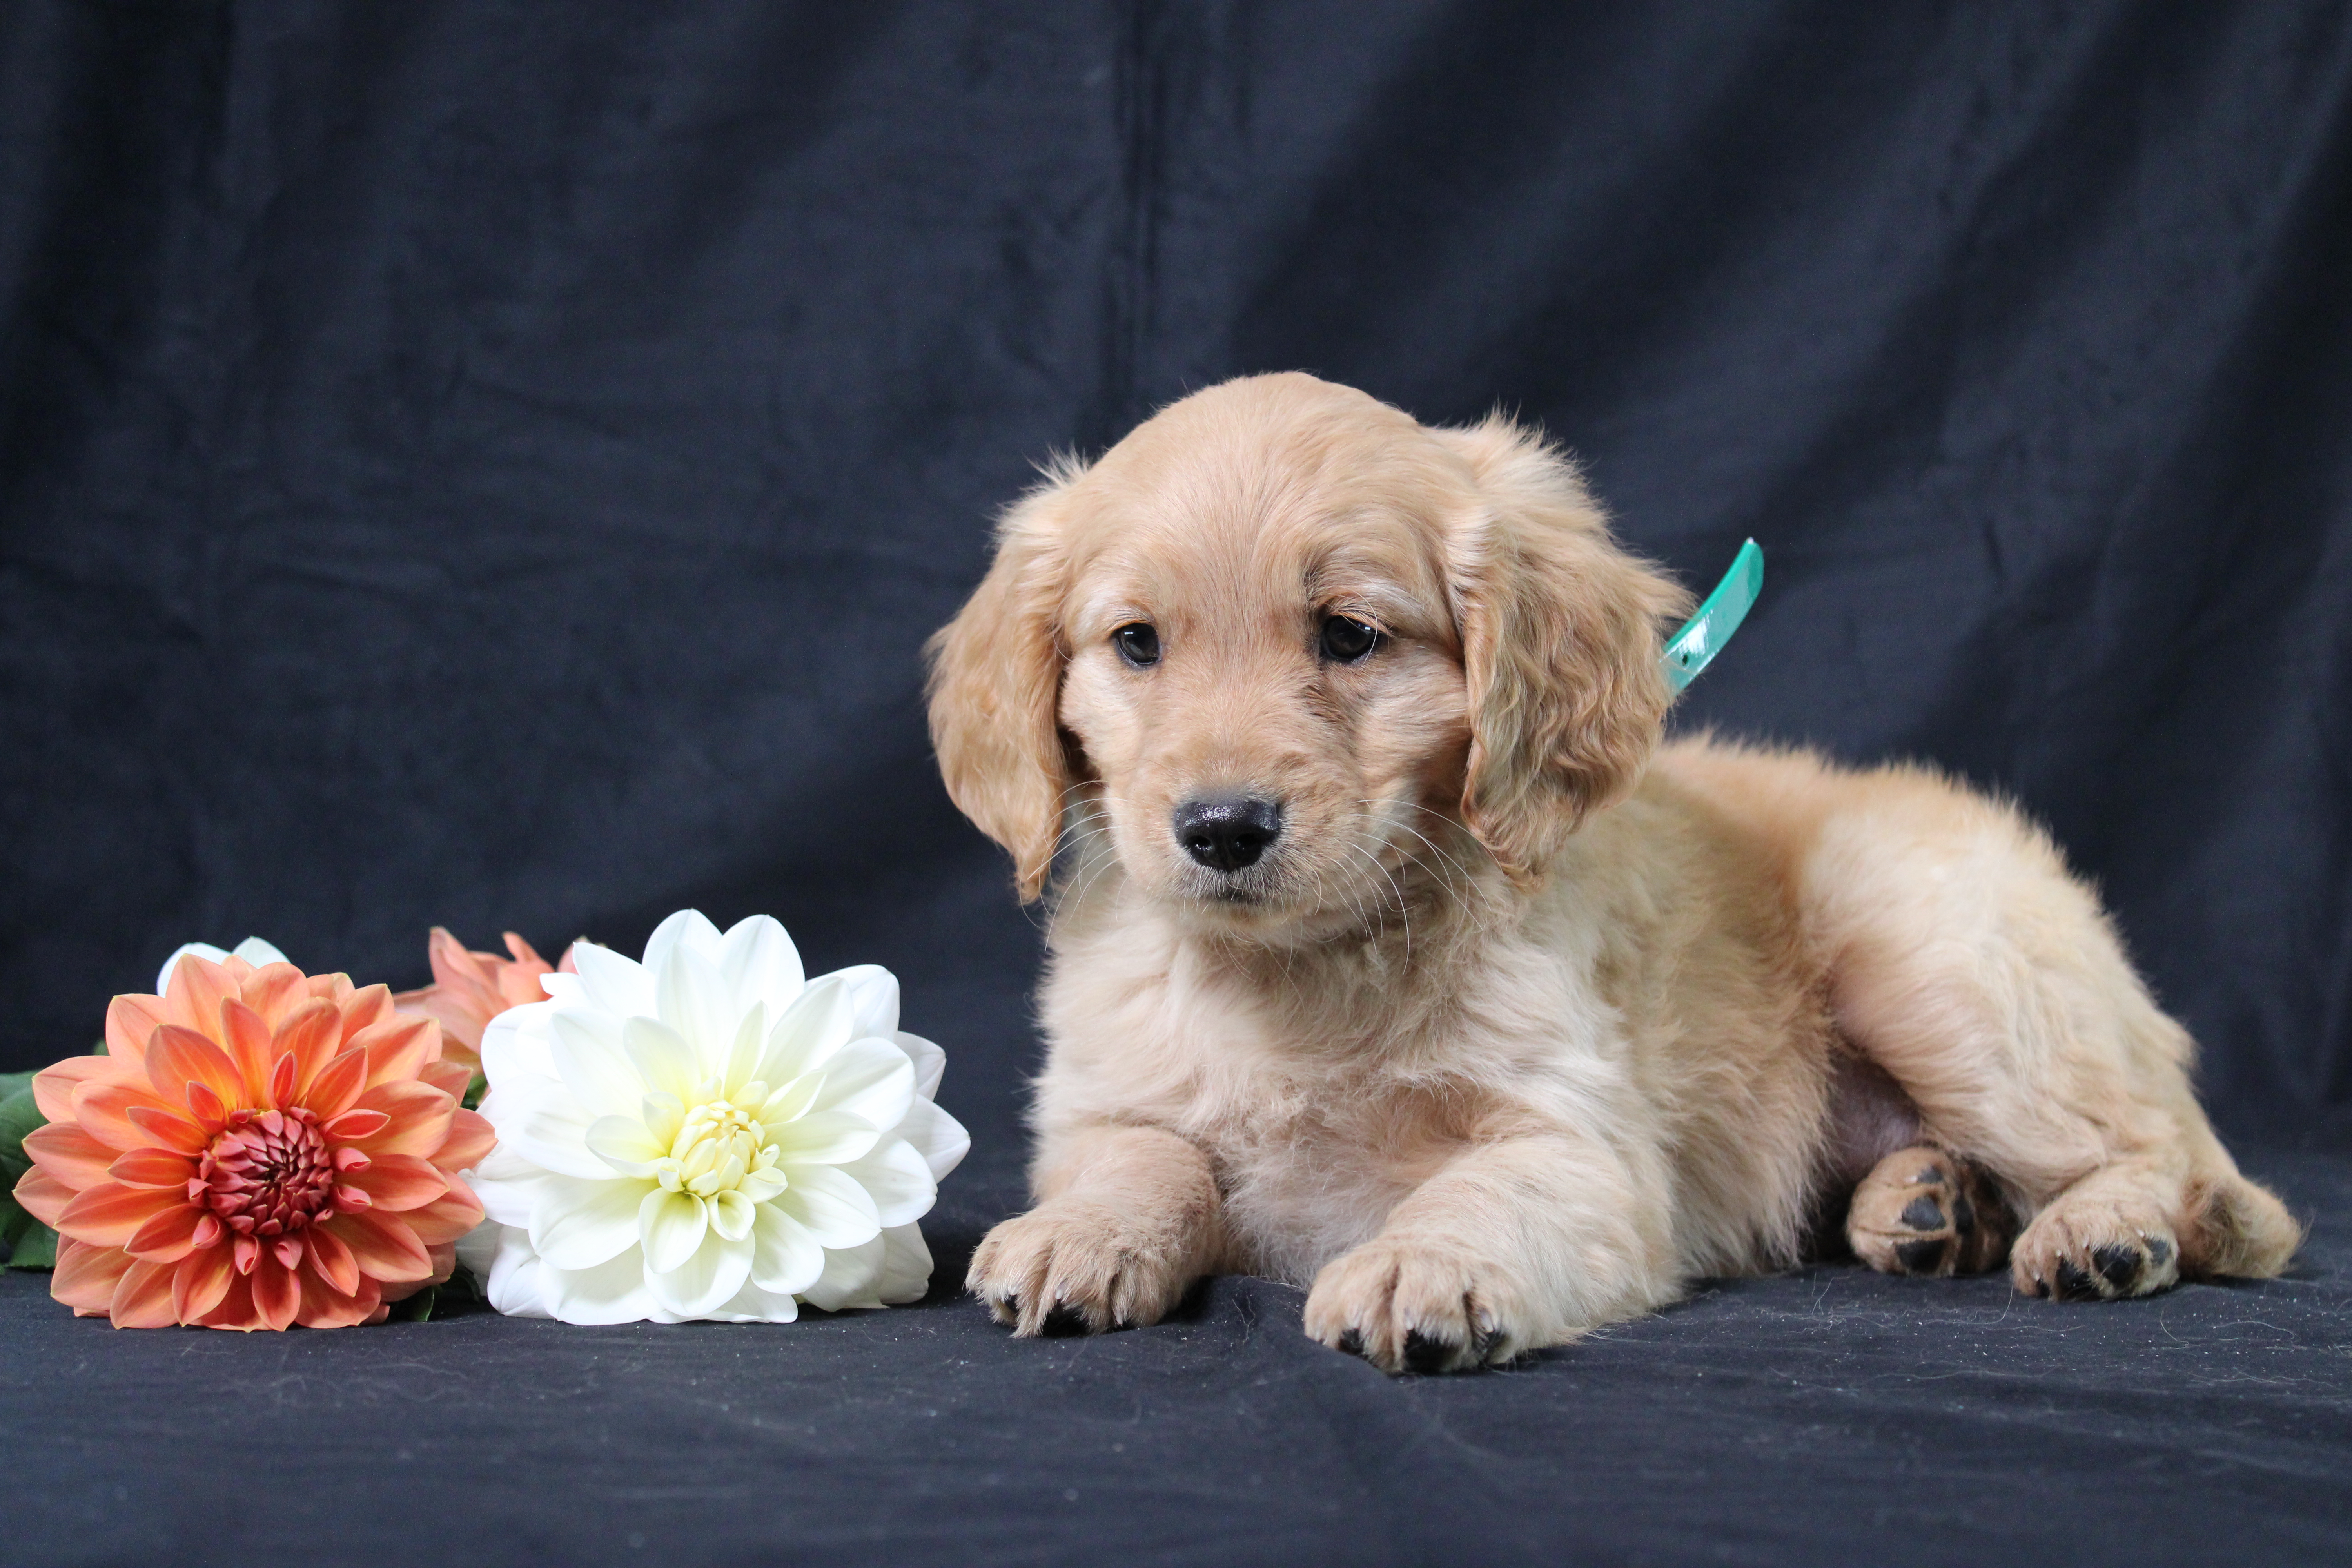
1264	674
1279	637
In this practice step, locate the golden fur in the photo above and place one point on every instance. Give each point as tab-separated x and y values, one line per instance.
1523	1021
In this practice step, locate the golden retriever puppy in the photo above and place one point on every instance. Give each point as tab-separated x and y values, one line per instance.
1393	956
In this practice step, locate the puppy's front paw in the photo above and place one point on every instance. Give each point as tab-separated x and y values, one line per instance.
2090	1247
1072	1266
1415	1307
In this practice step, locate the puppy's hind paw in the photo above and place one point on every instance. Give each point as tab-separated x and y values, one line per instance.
1413	1309
1925	1212
2085	1249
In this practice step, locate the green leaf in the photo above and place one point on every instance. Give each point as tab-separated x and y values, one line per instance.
474	1092
27	1242
18	1115
37	1248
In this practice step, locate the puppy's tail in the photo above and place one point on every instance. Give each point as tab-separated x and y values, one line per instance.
2235	1227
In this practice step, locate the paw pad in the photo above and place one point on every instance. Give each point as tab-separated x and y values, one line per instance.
2067	1257
1925	1213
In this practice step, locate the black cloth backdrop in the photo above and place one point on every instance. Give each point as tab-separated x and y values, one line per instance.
496	464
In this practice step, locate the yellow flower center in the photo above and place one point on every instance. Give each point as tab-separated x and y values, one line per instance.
722	1148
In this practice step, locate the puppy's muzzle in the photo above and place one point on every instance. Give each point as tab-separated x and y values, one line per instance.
1228	833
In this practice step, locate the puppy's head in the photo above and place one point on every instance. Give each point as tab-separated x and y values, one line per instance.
1275	631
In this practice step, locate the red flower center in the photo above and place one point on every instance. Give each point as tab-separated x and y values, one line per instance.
270	1173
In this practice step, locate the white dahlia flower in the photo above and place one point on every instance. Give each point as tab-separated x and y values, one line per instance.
253	949
708	1135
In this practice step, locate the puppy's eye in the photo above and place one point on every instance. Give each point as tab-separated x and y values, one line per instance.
1348	640
1139	644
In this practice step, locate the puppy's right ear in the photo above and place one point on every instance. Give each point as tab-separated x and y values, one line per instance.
996	680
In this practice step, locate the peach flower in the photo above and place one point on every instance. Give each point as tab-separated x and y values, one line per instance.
469	989
259	1148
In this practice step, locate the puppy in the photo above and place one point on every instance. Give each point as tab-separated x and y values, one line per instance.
1393	955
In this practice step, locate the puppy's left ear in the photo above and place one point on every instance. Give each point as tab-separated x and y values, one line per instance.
1562	636
996	679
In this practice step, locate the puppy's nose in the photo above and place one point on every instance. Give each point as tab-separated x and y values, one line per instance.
1227	834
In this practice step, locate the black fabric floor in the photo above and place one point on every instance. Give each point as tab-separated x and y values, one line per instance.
1823	1416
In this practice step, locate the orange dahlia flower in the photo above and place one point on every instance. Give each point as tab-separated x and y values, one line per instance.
260	1148
469	989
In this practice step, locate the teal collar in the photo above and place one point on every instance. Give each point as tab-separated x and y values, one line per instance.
1689	651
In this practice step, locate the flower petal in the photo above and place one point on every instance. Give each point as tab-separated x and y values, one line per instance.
552	1134
760	964
898	1181
42	1195
86	1275
819	1022
143	1297
169	1236
849	1277
146	1167
68	1153
750	1047
906	1265
448	1217
589	1056
836	1209
257	952
930	1062
579	1224
199	1282
871	1079
421	1119
731	1215
54	1086
361	1009
612	1292
397	1048
235	1309
694	1002
623	1143
109	1213
271	989
612	984
277	1293
130	1022
821	1138
387	1250
103	1105
666	1063
716	1270
471	1137
788	1259
688	929
338	1084
873	998
193	985
397	1182
311	1033
178	1058
323	1306
245	1033
670	1226
753	1305
940	1137
164	1128
333	1261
